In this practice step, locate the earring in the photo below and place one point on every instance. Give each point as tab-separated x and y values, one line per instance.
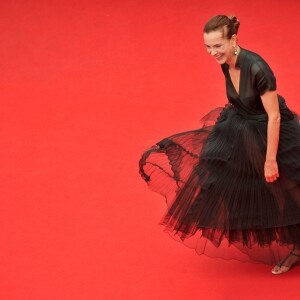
235	52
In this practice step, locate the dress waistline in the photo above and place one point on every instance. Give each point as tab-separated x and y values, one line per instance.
286	114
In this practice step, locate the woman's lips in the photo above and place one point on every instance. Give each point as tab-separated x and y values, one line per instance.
218	56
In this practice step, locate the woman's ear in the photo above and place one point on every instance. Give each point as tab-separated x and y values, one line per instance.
234	40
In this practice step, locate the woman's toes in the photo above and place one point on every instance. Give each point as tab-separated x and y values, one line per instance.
276	269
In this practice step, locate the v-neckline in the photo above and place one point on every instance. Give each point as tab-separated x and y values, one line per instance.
240	76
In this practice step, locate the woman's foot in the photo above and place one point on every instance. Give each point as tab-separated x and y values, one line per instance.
286	264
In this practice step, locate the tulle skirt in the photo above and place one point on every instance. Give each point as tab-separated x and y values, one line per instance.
218	201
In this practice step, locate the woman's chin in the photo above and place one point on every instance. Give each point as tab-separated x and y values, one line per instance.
220	62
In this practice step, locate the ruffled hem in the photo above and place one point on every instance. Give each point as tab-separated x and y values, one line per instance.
214	244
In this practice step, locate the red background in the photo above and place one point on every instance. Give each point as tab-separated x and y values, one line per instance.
86	87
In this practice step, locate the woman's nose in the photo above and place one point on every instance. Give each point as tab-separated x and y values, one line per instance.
213	52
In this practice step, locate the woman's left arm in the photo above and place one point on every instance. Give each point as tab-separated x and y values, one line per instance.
270	103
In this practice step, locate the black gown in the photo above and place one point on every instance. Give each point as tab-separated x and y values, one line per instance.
218	201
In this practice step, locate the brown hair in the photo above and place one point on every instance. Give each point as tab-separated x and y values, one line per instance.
229	25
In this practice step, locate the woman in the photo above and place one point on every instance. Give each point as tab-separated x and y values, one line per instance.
236	180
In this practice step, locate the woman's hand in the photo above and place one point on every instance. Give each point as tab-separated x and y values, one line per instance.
271	170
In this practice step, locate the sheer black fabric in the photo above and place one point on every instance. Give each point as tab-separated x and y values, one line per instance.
218	201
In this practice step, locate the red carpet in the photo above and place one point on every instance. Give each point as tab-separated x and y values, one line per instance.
86	86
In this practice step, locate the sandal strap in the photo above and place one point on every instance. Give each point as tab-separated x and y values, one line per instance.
295	254
283	261
280	264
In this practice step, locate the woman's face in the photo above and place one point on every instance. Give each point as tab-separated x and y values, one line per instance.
220	47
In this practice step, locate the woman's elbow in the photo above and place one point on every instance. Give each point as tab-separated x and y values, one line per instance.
275	117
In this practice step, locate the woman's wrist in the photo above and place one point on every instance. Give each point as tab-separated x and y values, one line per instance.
270	159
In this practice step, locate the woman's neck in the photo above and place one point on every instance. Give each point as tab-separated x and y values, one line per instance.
234	58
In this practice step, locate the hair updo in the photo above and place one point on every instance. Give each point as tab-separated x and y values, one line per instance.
228	25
